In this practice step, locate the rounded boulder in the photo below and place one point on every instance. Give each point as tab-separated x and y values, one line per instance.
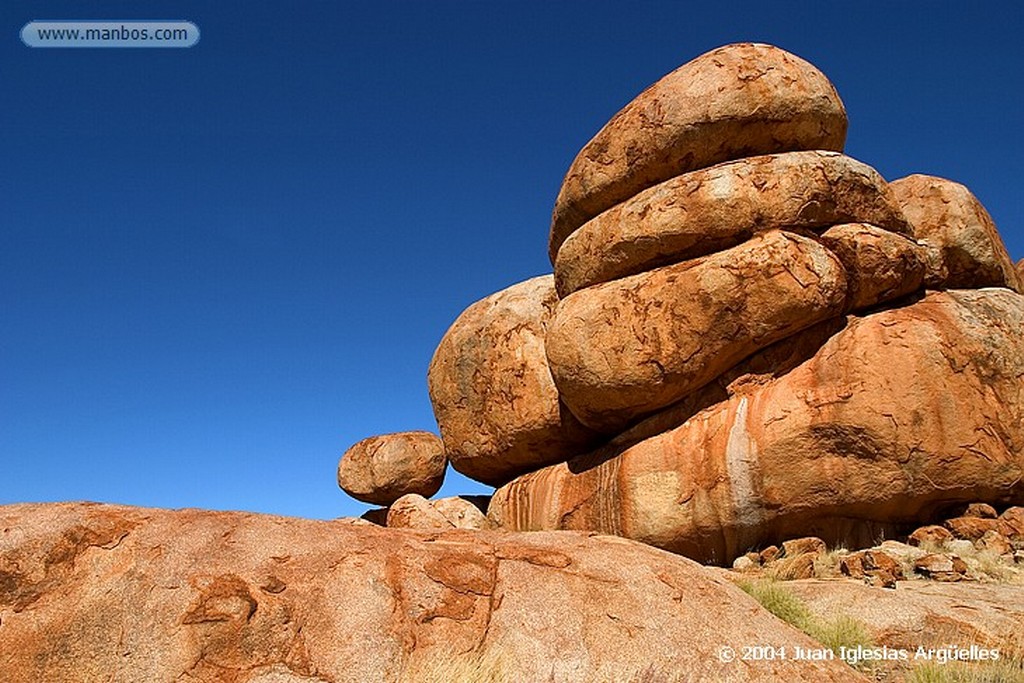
739	100
967	251
493	396
381	469
698	213
627	348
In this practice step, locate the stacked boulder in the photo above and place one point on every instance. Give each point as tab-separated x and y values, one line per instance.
748	336
400	472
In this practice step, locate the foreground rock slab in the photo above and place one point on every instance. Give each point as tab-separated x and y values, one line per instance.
92	593
924	613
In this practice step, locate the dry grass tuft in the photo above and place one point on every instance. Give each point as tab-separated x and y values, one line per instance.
443	666
841	631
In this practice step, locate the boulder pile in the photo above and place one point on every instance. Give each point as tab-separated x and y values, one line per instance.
748	336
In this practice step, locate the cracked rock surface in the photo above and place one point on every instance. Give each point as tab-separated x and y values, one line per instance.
92	593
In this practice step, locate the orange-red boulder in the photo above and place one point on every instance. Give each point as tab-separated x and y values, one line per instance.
966	249
930	534
880	265
737	101
626	348
492	392
381	469
900	414
698	213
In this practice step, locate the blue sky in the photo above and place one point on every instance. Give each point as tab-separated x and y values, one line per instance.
221	266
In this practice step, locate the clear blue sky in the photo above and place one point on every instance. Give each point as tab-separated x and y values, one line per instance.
221	266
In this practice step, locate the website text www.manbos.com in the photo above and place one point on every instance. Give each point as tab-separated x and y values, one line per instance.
110	34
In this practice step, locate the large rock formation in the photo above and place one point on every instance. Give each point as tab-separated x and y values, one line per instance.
737	101
895	415
95	593
749	335
493	396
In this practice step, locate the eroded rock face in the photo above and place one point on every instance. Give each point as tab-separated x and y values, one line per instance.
94	593
698	213
737	101
381	469
492	392
880	265
897	415
967	249
629	347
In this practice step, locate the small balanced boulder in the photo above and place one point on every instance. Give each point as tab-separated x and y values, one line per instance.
381	469
740	100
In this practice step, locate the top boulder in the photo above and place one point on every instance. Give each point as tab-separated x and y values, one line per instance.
737	101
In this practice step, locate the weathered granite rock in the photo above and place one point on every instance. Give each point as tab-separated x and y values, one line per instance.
956	228
698	213
463	512
803	546
1020	271
971	528
875	564
736	101
412	511
492	392
416	512
381	469
995	542
932	534
983	510
900	414
880	265
1011	523
941	567
97	593
629	347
